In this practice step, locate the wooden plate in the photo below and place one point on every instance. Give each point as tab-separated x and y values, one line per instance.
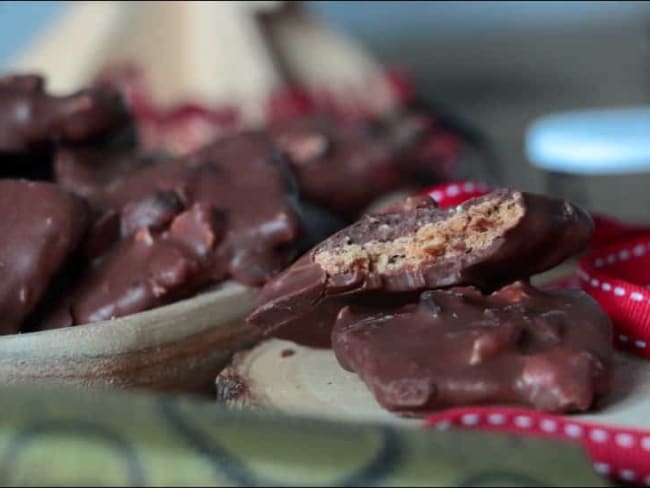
310	381
178	347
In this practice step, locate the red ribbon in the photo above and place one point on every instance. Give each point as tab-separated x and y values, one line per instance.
618	453
188	125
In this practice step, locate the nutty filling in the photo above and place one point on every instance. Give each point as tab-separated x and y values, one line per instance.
467	231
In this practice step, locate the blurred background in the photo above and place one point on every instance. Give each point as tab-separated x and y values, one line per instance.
497	65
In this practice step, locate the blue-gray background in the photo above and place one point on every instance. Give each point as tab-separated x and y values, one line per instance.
499	65
21	20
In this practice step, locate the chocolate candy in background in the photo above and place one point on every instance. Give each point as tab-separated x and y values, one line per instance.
170	228
245	178
436	144
91	171
517	346
154	212
486	241
339	167
344	167
426	150
318	225
31	120
33	123
145	270
41	227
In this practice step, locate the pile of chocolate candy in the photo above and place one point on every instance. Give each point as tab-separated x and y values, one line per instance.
432	308
96	227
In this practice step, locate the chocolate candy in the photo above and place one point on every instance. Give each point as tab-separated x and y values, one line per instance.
428	151
519	345
339	167
344	167
33	121
41	226
91	172
171	228
245	179
487	241
144	271
154	212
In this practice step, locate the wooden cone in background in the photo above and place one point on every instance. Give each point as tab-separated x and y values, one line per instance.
212	52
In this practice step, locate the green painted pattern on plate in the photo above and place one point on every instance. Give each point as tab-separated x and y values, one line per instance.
68	437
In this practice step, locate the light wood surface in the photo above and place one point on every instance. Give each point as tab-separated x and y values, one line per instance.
311	382
281	375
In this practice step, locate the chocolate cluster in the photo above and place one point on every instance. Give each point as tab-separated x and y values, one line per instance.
432	308
97	227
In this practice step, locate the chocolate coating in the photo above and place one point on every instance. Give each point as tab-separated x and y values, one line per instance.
487	241
245	179
146	270
522	346
153	212
41	226
32	120
428	151
171	228
344	167
339	167
91	172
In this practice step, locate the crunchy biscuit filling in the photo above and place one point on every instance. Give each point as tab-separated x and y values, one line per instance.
465	232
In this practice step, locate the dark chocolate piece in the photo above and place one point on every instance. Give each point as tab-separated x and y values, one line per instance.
519	345
227	210
344	167
427	150
103	234
33	121
245	179
146	270
90	172
340	167
26	83
154	212
487	241
41	226
314	327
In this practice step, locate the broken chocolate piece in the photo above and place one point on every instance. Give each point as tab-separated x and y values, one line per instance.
33	121
519	345
41	226
487	242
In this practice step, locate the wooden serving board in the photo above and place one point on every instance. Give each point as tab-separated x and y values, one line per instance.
281	375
